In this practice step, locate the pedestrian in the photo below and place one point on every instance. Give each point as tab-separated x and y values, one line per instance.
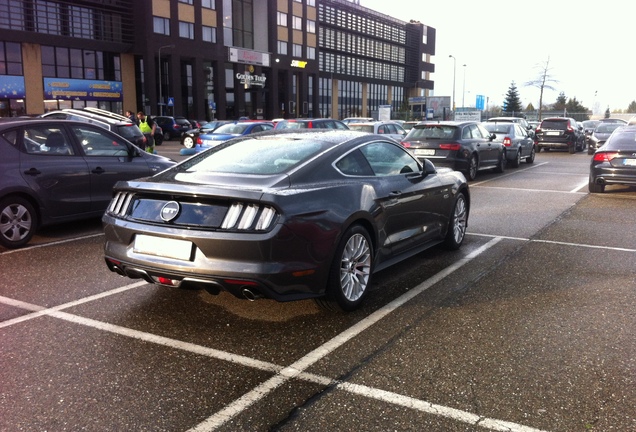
131	116
148	128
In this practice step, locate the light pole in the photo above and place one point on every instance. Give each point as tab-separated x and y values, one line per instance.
160	83
464	87
454	71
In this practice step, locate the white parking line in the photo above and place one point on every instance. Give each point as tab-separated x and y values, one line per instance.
295	370
58	242
554	242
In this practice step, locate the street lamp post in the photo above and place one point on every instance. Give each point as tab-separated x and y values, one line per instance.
454	71
160	83
464	87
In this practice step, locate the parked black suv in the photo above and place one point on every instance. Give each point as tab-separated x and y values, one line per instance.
173	127
560	133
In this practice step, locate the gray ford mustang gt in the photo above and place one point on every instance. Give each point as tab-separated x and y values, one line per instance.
285	215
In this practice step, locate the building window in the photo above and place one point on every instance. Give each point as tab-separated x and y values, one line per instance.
282	48
311	26
209	34
281	19
161	26
60	62
208	4
10	58
311	2
311	53
187	1
241	23
186	30
11	15
297	23
298	50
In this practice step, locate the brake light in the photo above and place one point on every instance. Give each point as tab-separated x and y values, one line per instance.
604	156
406	144
450	146
199	140
507	142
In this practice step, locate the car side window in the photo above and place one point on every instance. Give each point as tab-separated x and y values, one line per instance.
388	159
94	142
466	134
480	132
354	164
46	140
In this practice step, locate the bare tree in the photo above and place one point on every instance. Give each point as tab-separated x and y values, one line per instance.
543	82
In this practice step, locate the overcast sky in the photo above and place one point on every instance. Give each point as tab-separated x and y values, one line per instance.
589	47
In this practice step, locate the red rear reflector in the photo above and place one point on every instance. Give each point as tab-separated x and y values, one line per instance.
406	144
166	281
239	282
450	146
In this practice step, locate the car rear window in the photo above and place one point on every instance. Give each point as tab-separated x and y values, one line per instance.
499	128
361	128
432	132
622	140
130	131
554	124
291	125
607	127
249	156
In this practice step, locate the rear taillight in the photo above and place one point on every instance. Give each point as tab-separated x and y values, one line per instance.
199	140
604	156
507	142
406	144
454	147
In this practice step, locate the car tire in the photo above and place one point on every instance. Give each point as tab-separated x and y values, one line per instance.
187	141
572	148
18	222
533	153
595	187
517	161
471	172
457	223
158	139
350	273
166	136
501	164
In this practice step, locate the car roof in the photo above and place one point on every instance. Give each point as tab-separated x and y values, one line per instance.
89	115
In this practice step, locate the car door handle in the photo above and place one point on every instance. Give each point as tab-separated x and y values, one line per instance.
395	194
98	170
33	171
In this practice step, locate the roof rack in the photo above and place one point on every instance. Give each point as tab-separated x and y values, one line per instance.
106	113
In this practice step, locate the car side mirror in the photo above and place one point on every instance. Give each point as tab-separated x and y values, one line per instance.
492	137
428	168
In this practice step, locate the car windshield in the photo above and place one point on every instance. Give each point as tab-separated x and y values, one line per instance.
433	132
361	127
607	127
235	129
272	155
498	128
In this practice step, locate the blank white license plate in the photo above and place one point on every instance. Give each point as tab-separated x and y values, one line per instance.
163	247
553	133
629	162
424	152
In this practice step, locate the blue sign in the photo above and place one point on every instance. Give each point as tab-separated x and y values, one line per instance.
213	106
12	87
480	102
79	89
170	101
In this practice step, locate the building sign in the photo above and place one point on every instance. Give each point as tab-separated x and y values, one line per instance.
298	63
468	115
12	87
239	55
248	79
84	90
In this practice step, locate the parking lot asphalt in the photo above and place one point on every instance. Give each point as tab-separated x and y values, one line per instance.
529	326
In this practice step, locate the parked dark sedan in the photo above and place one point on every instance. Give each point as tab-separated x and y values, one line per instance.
463	146
321	123
285	215
615	162
515	138
61	170
600	135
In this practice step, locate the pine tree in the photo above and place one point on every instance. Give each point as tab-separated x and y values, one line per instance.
512	103
632	107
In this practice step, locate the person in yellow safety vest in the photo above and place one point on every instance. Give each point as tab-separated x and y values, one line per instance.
148	128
